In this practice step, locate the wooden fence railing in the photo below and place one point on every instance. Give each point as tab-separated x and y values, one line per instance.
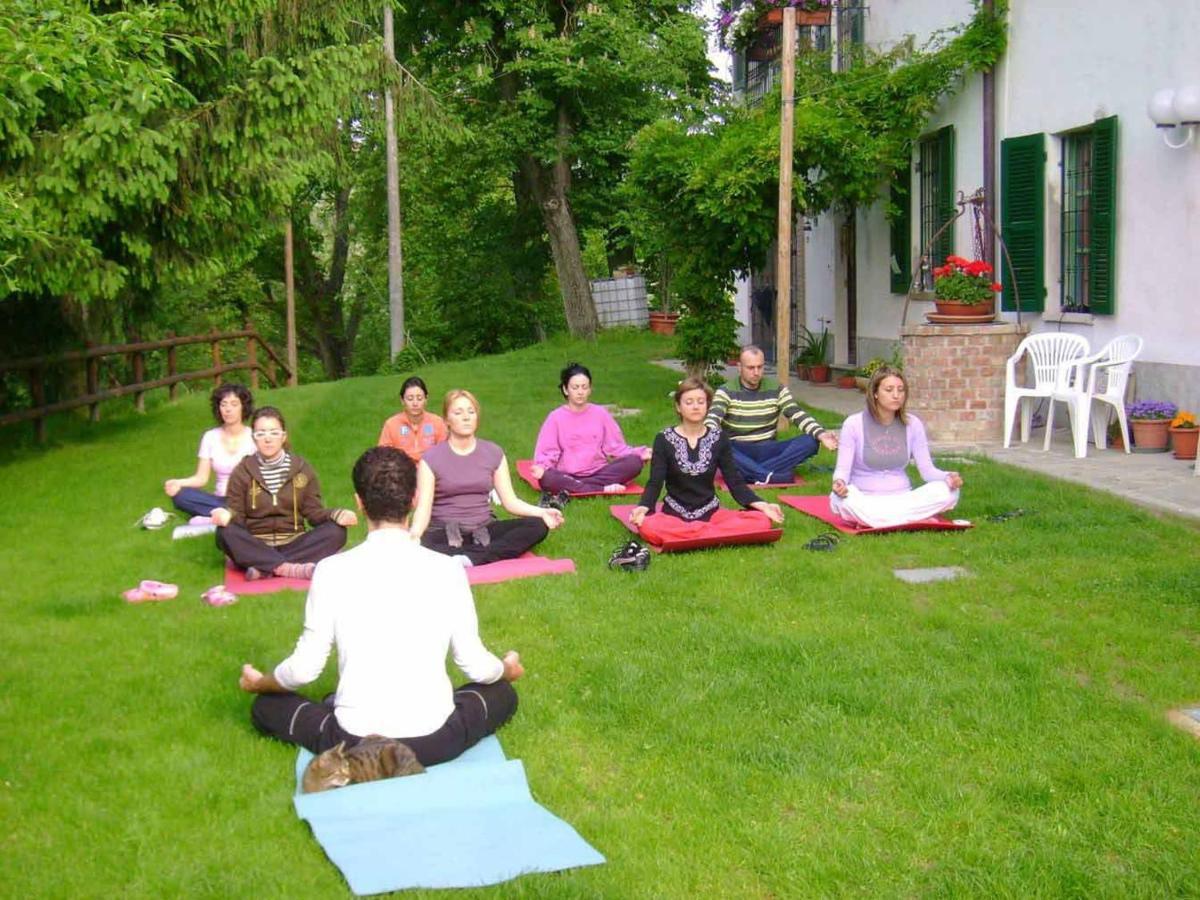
36	367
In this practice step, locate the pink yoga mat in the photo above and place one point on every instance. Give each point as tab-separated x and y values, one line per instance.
525	465
235	580
526	566
719	484
817	506
621	511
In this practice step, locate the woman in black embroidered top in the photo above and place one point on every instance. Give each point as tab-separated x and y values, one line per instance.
686	457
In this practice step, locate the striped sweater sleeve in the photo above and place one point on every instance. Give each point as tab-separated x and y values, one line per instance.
716	412
798	417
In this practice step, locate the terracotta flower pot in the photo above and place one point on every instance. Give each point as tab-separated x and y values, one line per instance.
1150	435
818	374
950	308
847	382
812	17
1184	441
663	322
802	371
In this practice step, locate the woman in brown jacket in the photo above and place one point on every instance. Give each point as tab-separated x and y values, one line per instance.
272	494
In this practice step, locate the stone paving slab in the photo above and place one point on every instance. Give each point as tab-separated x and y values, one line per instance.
927	576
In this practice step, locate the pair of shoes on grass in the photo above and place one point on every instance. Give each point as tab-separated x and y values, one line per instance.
826	541
155	519
552	500
630	557
219	595
151	592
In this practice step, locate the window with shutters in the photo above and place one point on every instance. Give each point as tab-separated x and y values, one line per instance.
936	170
900	232
1076	219
1088	161
1022	222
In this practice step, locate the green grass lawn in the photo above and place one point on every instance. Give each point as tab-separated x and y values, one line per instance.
761	722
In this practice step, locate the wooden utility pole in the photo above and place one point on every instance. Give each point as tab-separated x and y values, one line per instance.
395	252
783	251
289	283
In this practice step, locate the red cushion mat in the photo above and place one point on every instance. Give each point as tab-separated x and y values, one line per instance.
719	483
817	506
759	534
235	580
526	566
525	465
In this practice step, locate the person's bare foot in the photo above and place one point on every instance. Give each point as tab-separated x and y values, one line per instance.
613	488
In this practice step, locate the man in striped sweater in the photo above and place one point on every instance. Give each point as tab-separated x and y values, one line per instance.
750	415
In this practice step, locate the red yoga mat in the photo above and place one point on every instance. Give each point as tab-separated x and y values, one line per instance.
719	484
235	580
757	532
525	465
526	566
817	506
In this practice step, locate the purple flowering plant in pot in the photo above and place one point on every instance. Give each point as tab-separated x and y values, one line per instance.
738	20
1150	422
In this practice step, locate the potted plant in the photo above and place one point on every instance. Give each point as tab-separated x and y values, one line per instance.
663	321
964	288
1150	422
1184	435
874	364
814	350
738	21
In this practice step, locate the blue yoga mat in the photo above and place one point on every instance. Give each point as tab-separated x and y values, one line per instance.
466	823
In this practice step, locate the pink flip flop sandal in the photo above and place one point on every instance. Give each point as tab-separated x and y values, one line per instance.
151	591
219	595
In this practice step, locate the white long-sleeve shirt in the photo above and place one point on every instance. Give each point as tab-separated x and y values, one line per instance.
393	609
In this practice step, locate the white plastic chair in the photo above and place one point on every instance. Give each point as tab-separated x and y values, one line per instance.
1049	353
1087	384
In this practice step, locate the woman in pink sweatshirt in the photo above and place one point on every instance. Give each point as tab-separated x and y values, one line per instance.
580	448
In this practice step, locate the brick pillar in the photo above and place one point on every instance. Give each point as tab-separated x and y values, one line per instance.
955	377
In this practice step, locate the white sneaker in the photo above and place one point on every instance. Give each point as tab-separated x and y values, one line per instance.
155	519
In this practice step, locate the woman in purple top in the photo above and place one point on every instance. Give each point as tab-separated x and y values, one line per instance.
454	481
580	448
870	484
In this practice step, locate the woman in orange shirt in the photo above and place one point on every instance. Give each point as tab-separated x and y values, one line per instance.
414	430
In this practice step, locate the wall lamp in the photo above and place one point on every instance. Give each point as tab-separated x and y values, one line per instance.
1171	109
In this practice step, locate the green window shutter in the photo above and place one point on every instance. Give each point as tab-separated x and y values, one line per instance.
901	231
946	205
1103	218
1023	221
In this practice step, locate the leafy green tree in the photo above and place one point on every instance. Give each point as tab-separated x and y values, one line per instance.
705	198
561	86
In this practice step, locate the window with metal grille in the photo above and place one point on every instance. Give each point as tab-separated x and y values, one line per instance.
1077	169
936	169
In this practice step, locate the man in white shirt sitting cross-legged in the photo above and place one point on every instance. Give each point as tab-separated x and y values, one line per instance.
393	609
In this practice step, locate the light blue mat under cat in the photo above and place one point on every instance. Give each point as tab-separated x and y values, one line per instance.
465	823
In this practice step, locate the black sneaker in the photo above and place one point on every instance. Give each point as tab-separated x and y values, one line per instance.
632	557
558	501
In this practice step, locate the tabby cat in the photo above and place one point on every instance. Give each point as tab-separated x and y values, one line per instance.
372	758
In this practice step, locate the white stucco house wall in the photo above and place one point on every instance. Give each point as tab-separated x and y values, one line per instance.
1079	74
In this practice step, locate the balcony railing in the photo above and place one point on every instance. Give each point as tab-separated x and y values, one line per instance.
756	68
